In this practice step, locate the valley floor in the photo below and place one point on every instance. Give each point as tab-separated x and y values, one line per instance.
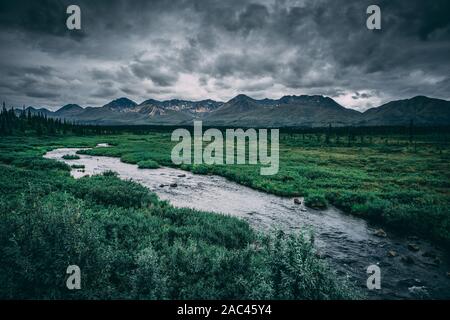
384	178
49	219
130	245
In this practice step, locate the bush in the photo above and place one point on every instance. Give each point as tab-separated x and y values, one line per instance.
40	164
316	201
148	280
345	200
70	157
49	234
200	169
108	189
148	164
132	158
14	181
295	272
110	173
374	208
129	254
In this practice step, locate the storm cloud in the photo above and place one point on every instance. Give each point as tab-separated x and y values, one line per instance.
217	49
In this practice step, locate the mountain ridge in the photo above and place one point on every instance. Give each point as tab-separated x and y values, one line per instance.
242	110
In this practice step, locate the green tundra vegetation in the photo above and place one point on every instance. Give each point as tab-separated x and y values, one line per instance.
129	244
392	179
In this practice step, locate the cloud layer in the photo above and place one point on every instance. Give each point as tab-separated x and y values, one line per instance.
194	49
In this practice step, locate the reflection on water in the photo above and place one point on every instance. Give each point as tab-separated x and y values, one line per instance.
348	243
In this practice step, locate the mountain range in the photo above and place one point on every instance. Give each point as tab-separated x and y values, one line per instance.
244	111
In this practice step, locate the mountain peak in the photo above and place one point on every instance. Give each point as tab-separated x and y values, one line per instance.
35	110
423	99
412	102
241	98
70	106
120	103
420	109
151	101
310	100
69	110
420	97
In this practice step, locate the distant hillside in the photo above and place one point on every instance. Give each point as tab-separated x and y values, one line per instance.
422	110
310	111
69	110
244	111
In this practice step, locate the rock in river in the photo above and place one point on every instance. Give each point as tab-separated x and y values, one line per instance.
413	247
419	291
380	233
173	185
297	201
392	254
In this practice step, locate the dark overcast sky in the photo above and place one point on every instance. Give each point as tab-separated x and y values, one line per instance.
217	49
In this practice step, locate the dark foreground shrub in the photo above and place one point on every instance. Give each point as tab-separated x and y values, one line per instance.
129	254
108	189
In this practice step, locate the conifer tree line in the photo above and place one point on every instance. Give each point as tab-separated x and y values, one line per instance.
16	122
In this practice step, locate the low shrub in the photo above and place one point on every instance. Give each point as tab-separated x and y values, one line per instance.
70	157
316	201
108	189
148	164
40	164
150	253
